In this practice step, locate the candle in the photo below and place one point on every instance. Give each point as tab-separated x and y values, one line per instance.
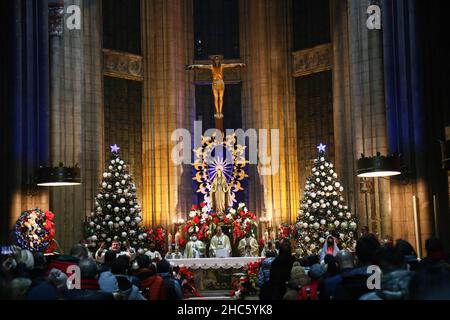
169	240
266	235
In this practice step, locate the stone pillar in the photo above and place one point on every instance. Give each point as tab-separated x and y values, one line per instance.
359	108
407	119
268	103
77	120
24	102
167	47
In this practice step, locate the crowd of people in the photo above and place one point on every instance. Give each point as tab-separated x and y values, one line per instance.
389	271
118	273
107	274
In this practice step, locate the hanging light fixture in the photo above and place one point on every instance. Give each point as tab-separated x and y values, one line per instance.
58	176
378	166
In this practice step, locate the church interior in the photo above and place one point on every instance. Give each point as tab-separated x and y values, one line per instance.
105	94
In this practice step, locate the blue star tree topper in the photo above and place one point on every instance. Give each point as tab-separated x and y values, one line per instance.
114	148
321	148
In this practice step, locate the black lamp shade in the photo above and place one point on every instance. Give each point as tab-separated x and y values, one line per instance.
378	166
58	176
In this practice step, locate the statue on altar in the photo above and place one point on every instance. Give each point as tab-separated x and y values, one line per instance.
195	248
220	245
218	86
248	246
220	193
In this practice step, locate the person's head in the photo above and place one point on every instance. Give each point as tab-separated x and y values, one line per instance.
285	251
404	248
88	269
152	246
18	288
388	259
110	256
219	231
433	245
431	283
115	246
79	251
194	237
366	247
316	271
143	261
120	265
248	235
364	231
216	61
40	265
330	262
271	253
330	241
345	259
25	257
58	279
163	266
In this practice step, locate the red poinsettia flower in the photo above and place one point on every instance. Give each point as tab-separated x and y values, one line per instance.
241	213
216	220
202	204
225	219
185	228
261	242
52	233
213	214
196	219
49	215
194	207
48	225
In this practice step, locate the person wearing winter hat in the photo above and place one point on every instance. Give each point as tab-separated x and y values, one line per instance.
59	280
171	288
298	280
151	282
310	292
395	278
26	257
329	247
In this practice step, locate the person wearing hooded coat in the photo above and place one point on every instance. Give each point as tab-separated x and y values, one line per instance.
329	248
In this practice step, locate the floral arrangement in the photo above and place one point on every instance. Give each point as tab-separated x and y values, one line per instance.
252	270
198	223
287	231
157	236
243	221
248	284
187	282
202	221
35	231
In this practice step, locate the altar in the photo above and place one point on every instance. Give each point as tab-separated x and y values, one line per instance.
215	273
214	263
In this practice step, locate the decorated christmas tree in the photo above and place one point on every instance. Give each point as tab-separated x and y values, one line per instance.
323	212
117	214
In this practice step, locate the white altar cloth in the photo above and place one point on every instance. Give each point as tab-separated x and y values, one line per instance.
214	263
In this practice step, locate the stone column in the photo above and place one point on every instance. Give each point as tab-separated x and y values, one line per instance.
77	120
167	47
268	103
359	108
407	119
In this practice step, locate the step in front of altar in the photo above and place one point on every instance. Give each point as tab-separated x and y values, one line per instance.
215	273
